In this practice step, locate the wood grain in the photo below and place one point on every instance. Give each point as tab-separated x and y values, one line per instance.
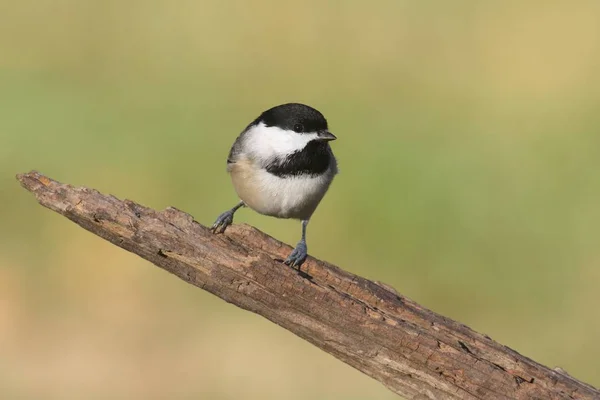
413	351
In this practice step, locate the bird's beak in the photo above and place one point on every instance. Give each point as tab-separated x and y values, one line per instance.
326	136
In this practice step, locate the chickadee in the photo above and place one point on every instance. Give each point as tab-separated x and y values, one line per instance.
281	165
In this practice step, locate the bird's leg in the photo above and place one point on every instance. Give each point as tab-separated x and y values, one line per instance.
297	257
225	219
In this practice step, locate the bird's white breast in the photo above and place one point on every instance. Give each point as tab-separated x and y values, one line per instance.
282	197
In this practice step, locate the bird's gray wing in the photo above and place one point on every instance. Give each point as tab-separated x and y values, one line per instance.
236	149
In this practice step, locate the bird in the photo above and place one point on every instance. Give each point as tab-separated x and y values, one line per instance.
281	165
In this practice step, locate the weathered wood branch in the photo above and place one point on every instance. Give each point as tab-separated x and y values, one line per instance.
413	351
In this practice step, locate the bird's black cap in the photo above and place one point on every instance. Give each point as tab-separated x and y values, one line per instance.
295	117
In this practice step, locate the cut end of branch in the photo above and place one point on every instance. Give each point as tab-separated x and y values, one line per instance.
33	180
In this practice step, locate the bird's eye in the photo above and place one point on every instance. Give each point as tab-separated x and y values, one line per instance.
298	128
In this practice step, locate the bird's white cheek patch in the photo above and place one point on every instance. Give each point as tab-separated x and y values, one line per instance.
267	142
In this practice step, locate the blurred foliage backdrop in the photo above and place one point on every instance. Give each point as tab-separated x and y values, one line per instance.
469	151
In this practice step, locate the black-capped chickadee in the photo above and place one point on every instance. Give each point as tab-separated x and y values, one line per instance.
281	165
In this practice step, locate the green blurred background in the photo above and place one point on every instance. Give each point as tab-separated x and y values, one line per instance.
469	151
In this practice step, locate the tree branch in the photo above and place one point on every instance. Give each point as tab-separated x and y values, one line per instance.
413	351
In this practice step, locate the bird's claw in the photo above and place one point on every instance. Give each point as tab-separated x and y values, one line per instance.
298	255
222	222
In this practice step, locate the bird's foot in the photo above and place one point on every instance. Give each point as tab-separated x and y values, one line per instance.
298	255
222	222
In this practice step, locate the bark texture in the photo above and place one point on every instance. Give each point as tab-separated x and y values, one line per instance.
413	351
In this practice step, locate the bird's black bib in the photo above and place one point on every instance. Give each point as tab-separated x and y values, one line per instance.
313	160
